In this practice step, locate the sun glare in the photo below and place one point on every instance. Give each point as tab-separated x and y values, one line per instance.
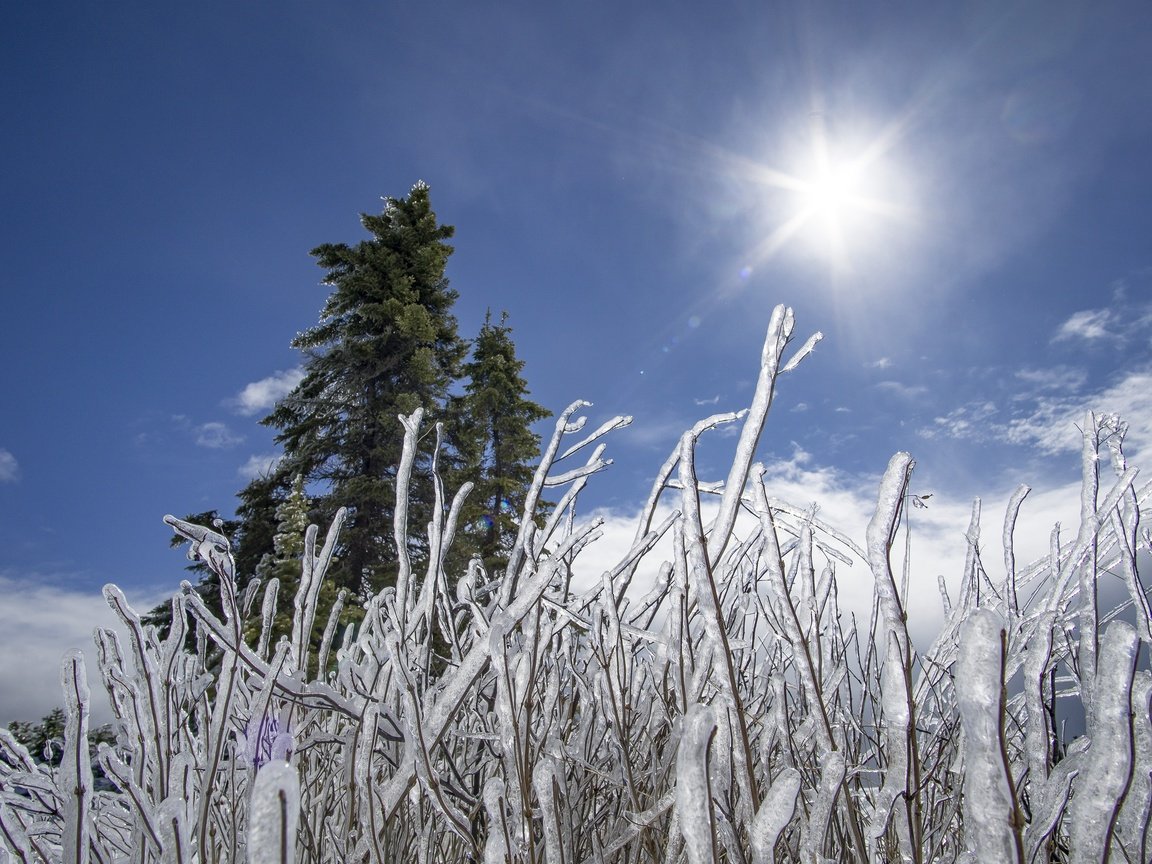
837	200
831	193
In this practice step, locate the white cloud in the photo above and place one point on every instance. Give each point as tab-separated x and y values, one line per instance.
259	465
1052	425
971	421
264	394
9	467
715	399
882	363
39	622
1064	378
1120	322
846	502
799	408
1090	325
904	391
216	436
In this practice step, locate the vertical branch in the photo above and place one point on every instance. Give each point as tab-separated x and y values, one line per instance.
693	788
76	766
274	815
991	819
700	569
1108	768
1009	549
411	425
779	334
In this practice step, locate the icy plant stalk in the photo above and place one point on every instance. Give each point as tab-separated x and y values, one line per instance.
705	698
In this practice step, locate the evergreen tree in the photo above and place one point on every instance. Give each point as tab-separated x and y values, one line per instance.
284	563
386	344
495	442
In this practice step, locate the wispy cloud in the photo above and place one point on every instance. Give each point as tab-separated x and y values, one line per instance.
1064	378
799	408
216	436
1089	325
9	467
1119	322
264	394
904	391
971	422
1048	418
1053	424
714	400
259	465
882	363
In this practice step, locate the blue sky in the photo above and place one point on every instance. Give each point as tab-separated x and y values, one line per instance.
628	181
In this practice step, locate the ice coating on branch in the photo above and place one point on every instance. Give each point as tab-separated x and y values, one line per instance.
75	764
1132	823
989	804
1107	767
774	814
273	815
722	693
693	790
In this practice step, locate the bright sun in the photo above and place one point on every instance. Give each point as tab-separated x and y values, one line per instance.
837	199
831	194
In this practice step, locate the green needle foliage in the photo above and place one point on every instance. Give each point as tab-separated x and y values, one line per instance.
385	345
496	445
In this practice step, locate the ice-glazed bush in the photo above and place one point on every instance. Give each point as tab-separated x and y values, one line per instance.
714	706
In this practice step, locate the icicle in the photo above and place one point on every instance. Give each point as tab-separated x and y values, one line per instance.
1010	516
174	832
897	723
76	765
496	849
881	534
267	616
546	778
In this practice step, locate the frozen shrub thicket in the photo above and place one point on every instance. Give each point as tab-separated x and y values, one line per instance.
715	706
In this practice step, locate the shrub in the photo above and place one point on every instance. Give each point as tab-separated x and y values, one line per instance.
717	706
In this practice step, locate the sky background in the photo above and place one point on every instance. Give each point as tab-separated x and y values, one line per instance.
630	182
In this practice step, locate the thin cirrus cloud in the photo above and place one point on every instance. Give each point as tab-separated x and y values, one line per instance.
9	467
264	394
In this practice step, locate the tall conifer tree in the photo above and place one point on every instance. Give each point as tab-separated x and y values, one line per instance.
495	442
385	345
